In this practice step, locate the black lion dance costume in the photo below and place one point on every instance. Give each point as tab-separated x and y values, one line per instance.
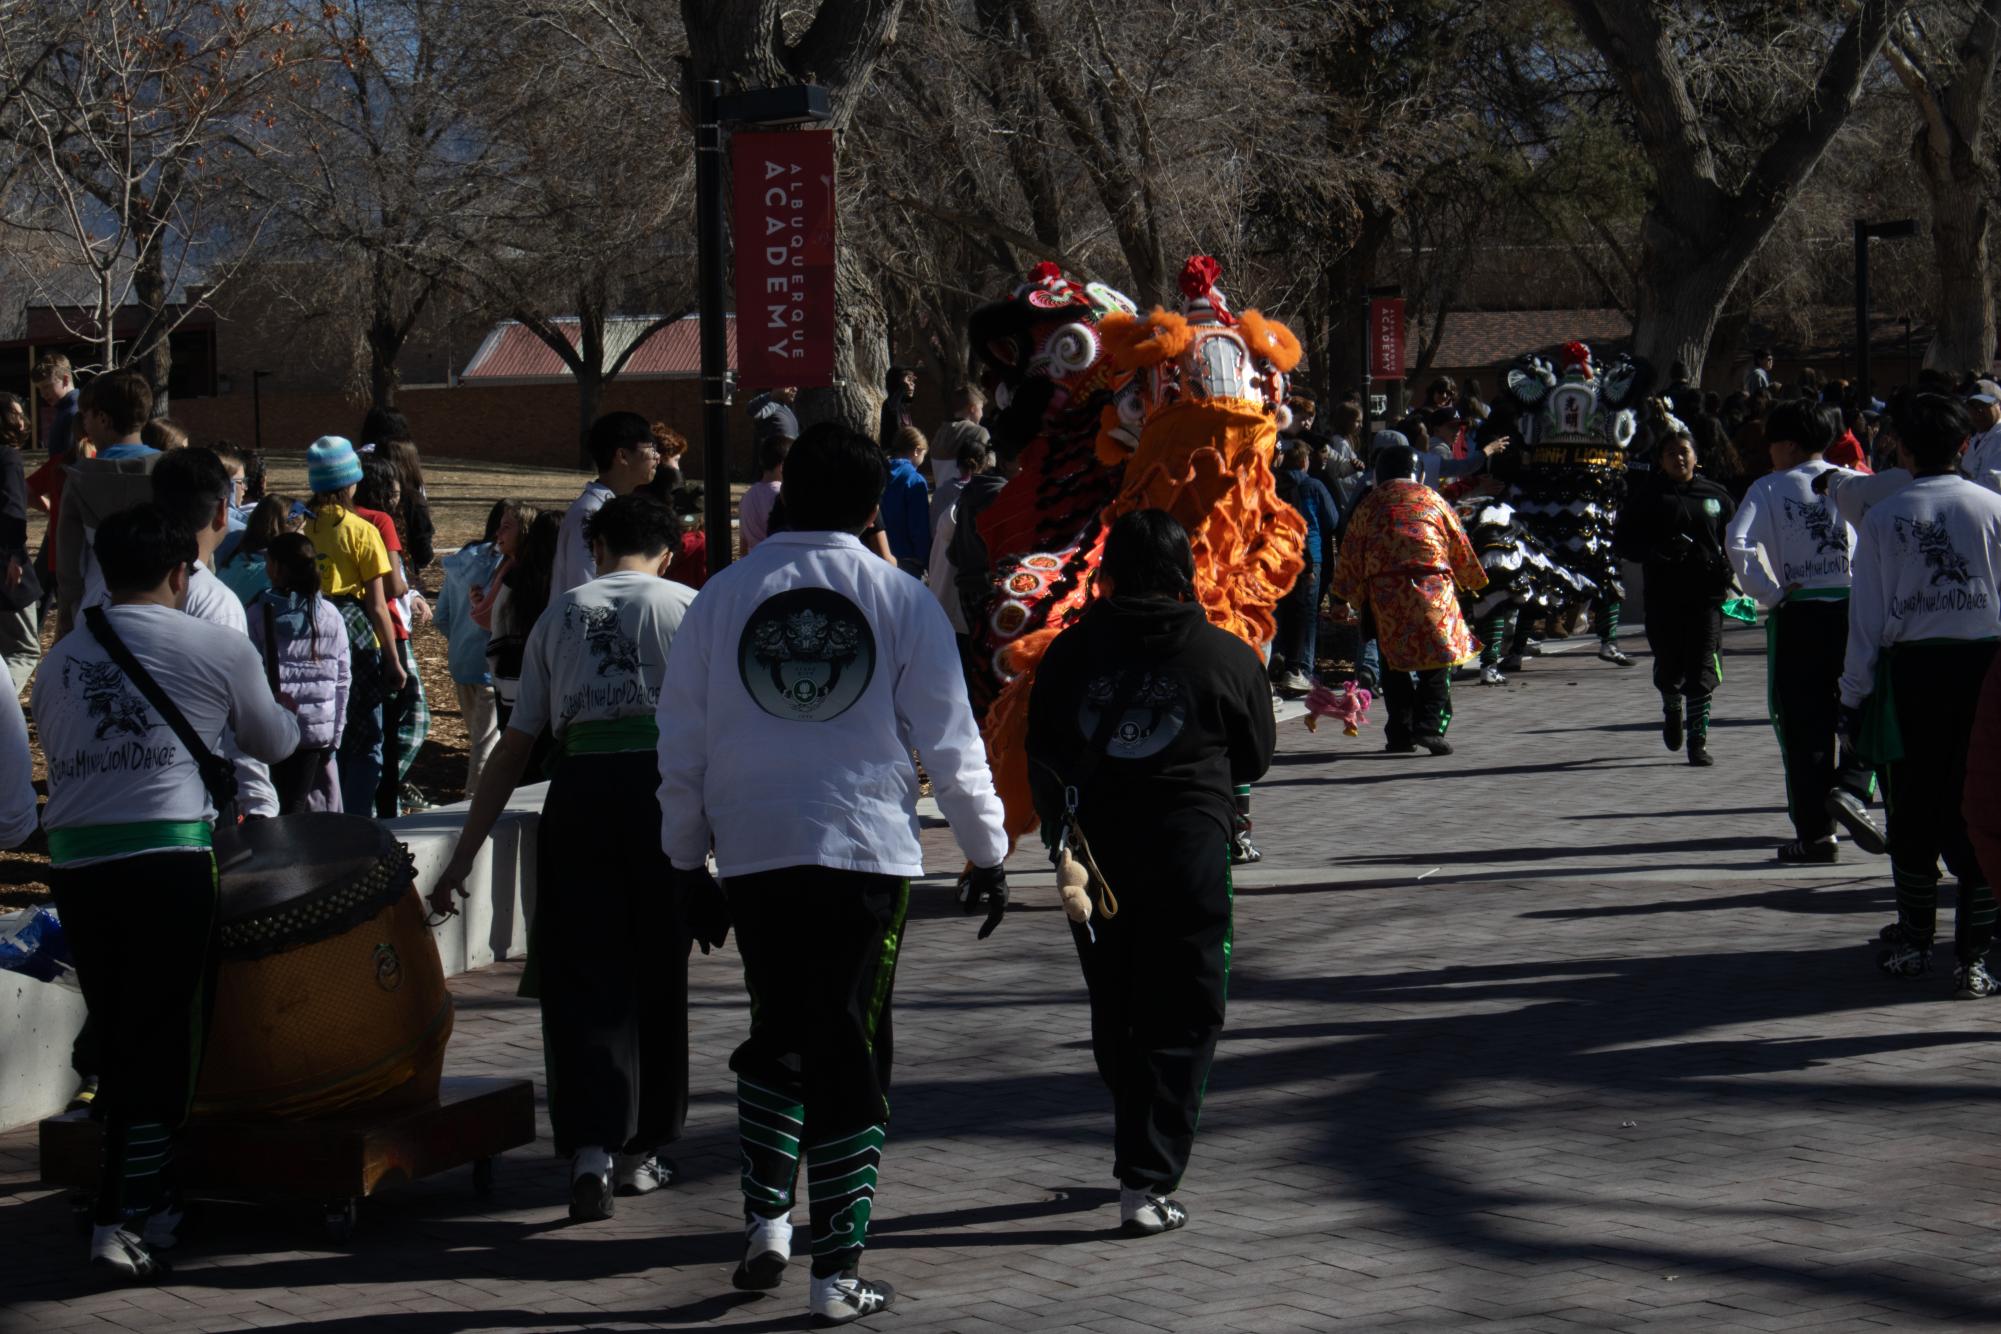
1567	471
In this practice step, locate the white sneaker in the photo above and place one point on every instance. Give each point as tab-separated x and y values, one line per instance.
640	1174
123	1253
1143	1214
837	1299
590	1185
163	1228
767	1249
1490	675
1295	683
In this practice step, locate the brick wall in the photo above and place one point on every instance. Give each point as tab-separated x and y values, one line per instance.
528	424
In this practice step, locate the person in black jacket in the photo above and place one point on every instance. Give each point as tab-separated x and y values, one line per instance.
1152	717
1673	525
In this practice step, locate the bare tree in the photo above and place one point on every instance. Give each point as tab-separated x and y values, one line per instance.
384	167
139	118
1952	87
1716	199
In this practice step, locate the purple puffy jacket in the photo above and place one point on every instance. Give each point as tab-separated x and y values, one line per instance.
308	641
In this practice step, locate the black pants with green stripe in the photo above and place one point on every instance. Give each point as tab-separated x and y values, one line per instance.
142	931
1809	640
611	958
1158	976
1937	691
1686	638
1417	703
819	949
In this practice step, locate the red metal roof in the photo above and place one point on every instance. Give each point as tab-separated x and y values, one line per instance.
1497	337
512	352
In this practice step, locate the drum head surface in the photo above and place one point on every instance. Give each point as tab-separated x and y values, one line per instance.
293	856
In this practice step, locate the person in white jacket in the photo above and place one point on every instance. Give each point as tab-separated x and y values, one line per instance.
1923	626
1791	550
802	679
131	827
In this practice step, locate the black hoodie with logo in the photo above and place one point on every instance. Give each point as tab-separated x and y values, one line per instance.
1677	531
1193	718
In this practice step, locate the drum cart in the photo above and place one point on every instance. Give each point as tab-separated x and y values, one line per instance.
331	1162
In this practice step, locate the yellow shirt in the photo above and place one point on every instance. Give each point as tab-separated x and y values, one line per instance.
350	551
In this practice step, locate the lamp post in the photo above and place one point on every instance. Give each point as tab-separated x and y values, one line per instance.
1864	231
773	108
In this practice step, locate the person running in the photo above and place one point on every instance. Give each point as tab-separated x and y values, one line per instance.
1673	525
1923	625
1791	550
1143	720
803	678
129	821
622	446
1404	558
609	943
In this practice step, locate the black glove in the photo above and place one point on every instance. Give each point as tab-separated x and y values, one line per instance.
704	907
989	883
1847	725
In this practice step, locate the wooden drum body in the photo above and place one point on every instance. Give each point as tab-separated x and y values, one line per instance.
330	996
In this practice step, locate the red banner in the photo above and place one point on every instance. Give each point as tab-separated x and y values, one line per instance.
784	210
1386	338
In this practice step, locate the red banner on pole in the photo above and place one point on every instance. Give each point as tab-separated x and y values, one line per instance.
1386	338
784	211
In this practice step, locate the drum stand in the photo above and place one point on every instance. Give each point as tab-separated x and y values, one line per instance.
332	1163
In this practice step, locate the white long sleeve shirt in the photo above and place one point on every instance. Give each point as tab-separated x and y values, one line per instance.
112	759
1928	567
574	564
1856	493
1784	535
1982	463
209	599
17	783
802	678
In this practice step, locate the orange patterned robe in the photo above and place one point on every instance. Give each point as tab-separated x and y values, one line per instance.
1407	556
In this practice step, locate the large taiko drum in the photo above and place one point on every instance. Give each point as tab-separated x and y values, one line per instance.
330	996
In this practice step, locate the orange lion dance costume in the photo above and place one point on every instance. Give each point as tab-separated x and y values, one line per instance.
1196	399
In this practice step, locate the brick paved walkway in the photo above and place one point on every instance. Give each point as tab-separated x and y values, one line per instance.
1600	1069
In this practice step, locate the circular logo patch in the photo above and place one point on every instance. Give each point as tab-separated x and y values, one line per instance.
806	655
388	968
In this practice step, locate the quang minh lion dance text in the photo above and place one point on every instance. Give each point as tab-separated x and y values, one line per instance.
1112	411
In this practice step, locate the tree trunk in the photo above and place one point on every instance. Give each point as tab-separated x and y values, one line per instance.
385	345
1960	223
1680	290
156	357
861	354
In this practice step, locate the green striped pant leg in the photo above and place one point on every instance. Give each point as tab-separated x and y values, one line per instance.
769	1122
841	1181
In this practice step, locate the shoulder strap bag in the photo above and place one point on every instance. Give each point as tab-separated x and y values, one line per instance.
218	775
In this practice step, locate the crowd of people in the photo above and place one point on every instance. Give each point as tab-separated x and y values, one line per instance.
270	636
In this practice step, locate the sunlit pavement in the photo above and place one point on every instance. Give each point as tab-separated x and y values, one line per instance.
1532	1036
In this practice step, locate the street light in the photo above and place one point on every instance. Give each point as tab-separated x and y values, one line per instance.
770	108
1889	231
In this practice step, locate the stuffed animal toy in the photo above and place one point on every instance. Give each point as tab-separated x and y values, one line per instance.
1350	705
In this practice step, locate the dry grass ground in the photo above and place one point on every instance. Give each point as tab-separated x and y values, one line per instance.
461	491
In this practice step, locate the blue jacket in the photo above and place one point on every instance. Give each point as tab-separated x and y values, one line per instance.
1316	503
59	431
465	638
906	513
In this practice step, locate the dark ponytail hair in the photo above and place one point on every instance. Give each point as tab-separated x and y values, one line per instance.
1147	556
293	565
